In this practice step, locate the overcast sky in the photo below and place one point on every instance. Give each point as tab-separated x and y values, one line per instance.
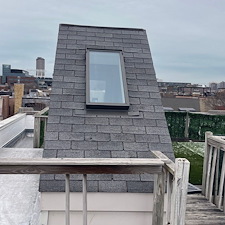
187	37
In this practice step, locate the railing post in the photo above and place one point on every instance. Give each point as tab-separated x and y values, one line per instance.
179	197
208	171
37	127
212	174
84	199
186	130
222	177
158	202
169	197
37	123
206	157
216	185
67	189
224	200
45	121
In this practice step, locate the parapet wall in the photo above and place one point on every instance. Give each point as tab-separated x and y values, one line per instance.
13	126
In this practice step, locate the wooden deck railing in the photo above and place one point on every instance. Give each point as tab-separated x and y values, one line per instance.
214	170
40	123
164	169
176	176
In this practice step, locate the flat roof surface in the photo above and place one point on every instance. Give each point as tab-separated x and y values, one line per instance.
19	193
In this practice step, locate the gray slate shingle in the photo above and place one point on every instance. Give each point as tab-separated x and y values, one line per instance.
75	132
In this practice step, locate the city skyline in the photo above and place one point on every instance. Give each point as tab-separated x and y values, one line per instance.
187	38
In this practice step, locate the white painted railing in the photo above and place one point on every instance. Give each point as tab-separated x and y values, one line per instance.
164	169
175	176
214	170
13	126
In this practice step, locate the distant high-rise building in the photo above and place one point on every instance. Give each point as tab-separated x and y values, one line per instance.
7	73
222	85
213	86
40	67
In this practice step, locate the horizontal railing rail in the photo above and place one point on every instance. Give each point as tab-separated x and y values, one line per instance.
214	170
163	168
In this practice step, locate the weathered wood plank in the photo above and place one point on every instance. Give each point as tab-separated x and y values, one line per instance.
204	222
206	212
84	199
222	177
63	169
43	111
216	142
82	161
224	201
205	163
41	116
45	121
36	139
212	175
80	166
169	164
208	216
158	201
169	196
200	211
37	123
216	179
208	173
67	190
180	188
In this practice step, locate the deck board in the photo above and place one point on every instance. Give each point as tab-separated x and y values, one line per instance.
200	211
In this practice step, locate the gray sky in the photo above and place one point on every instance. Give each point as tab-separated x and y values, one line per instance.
187	37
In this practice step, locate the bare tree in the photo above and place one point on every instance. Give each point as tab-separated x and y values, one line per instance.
216	101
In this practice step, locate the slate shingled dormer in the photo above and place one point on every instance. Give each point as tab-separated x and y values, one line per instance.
73	131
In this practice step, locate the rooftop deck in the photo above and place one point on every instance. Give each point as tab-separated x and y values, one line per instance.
24	187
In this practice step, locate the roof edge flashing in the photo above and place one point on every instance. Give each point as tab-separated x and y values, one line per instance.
104	27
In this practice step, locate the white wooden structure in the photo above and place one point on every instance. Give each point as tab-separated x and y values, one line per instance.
214	170
164	169
12	127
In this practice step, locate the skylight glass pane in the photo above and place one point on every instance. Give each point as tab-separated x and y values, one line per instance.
105	74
